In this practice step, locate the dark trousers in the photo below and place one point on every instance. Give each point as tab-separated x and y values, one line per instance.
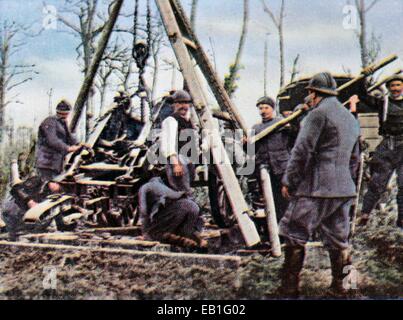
256	193
12	215
47	174
385	162
180	217
329	216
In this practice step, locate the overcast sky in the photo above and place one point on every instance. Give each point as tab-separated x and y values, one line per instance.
314	29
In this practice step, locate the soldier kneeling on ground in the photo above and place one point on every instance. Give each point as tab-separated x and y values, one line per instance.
22	197
170	214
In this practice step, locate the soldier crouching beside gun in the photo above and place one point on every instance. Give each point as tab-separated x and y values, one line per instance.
22	197
388	156
319	177
272	152
169	211
54	142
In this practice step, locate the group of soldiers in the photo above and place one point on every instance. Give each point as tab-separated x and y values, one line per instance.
313	173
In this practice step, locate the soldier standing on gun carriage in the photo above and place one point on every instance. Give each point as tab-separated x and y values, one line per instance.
388	156
54	142
319	176
273	152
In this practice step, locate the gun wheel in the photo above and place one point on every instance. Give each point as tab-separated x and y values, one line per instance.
221	210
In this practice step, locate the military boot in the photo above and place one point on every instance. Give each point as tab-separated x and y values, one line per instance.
179	241
339	259
293	261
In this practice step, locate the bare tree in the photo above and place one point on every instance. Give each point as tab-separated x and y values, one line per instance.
157	42
265	68
233	76
294	70
12	74
278	23
370	49
193	12
113	61
84	20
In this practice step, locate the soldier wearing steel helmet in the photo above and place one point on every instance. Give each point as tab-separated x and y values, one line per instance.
319	182
388	156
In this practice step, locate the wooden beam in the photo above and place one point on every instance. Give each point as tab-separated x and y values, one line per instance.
206	67
96	60
220	157
184	258
35	214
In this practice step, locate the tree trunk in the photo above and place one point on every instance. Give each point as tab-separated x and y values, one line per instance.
193	14
281	39
3	74
89	78
230	83
363	34
265	69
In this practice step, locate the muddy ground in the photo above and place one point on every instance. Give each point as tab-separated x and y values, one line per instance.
378	256
377	253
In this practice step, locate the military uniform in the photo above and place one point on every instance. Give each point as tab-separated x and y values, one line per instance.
16	203
388	156
54	139
319	177
166	212
272	152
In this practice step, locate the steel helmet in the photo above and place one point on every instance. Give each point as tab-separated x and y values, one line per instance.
323	82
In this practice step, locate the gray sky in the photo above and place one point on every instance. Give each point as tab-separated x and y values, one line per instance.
314	29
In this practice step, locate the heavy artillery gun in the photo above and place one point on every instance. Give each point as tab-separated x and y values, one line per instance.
103	179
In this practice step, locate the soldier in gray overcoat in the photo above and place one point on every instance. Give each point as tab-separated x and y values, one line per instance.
319	176
55	141
272	152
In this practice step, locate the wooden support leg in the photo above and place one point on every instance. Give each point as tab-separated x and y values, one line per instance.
270	212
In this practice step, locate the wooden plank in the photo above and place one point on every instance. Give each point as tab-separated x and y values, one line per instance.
104	167
206	67
124	231
35	213
370	133
75	239
184	258
370	120
93	201
96	182
2	223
